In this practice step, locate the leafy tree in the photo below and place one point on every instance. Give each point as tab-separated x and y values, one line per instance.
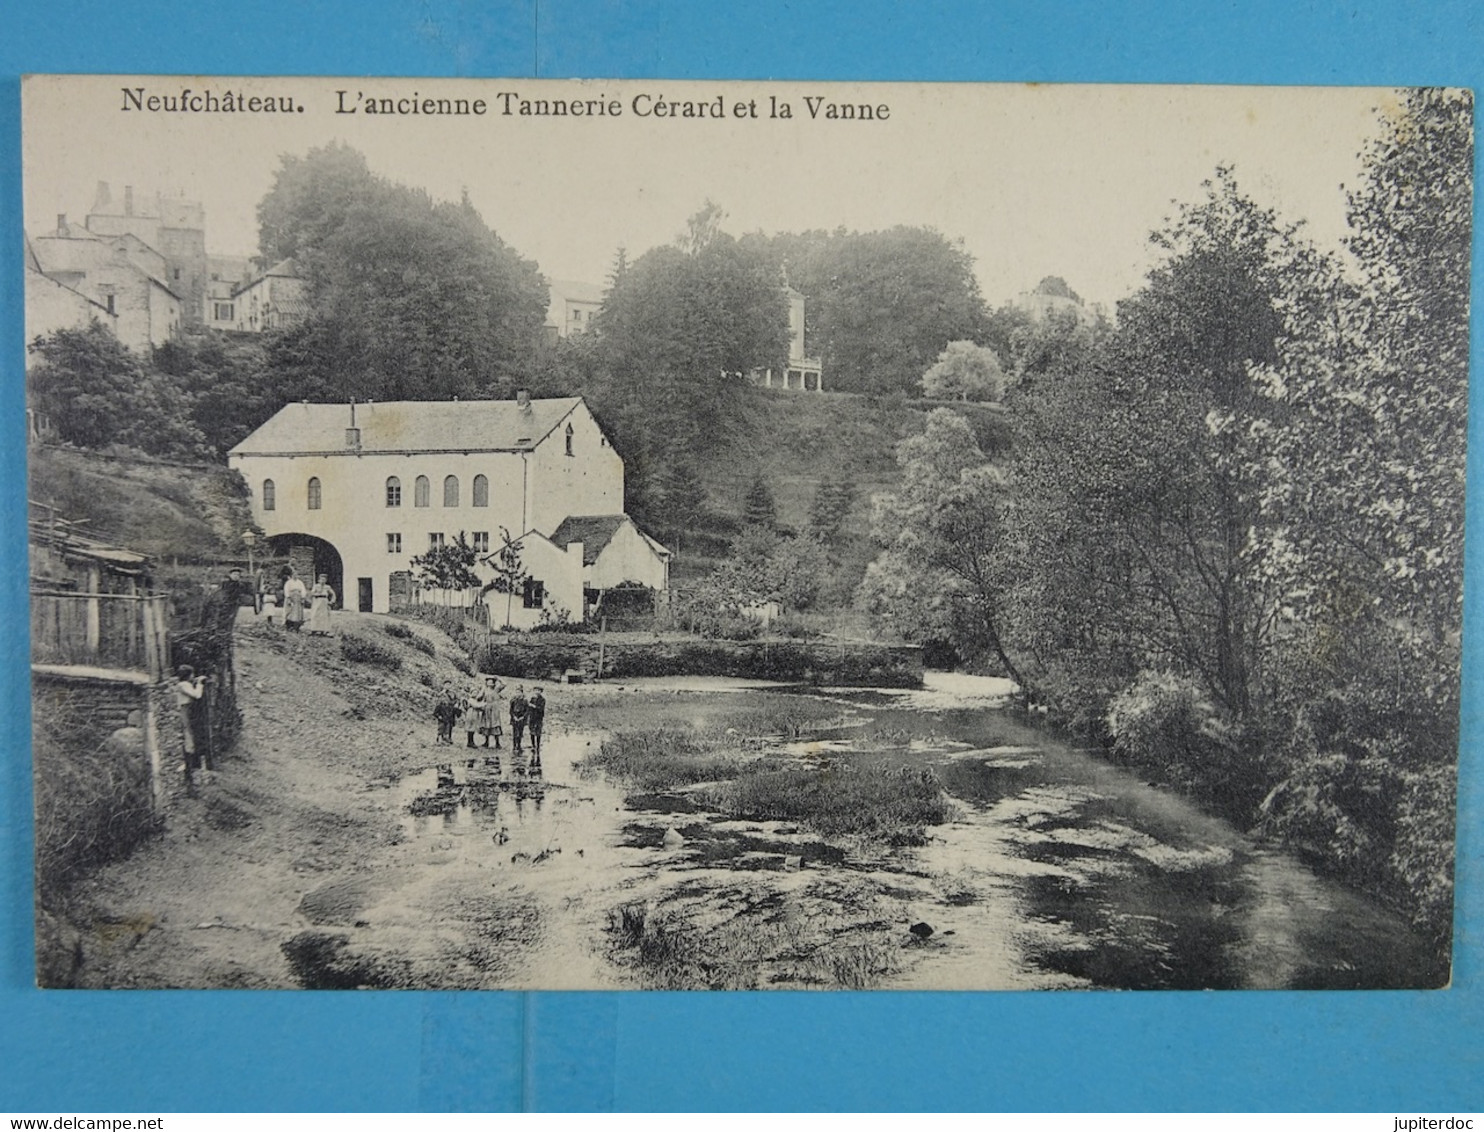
942	571
880	306
1361	530
965	372
447	566
410	298
97	393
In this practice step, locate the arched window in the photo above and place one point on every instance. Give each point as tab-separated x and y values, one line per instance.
393	491
481	491
270	495
569	439
450	491
314	493
420	492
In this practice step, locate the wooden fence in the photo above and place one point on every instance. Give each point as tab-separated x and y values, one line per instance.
98	630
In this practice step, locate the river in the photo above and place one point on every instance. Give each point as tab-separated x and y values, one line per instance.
1059	870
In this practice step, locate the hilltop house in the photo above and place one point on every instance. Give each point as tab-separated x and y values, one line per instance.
802	372
357	491
275	300
572	307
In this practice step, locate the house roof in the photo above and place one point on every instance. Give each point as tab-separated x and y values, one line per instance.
305	429
594	532
283	269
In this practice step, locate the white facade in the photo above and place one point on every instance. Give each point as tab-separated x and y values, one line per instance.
413	472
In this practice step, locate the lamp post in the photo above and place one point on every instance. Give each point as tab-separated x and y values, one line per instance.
249	539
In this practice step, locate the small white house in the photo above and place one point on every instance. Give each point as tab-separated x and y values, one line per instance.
614	552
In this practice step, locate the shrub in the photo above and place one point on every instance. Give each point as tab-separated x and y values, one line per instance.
362	651
1166	724
92	806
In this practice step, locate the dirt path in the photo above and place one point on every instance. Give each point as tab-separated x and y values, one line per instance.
299	864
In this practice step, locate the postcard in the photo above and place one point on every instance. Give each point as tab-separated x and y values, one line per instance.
744	535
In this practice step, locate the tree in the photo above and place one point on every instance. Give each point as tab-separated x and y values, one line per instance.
96	393
411	298
447	566
965	372
831	505
509	572
880	306
758	508
942	571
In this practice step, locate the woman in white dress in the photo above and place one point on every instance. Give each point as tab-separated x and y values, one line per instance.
295	596
319	613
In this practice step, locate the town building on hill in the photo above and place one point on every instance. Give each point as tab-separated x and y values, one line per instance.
1053	299
357	491
173	227
52	305
572	307
225	274
121	273
803	372
276	299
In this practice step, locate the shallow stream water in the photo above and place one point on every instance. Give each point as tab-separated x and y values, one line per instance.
1060	869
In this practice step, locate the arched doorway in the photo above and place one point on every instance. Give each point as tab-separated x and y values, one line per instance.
311	556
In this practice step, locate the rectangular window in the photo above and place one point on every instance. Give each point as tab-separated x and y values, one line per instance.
482	541
535	593
435	538
394	543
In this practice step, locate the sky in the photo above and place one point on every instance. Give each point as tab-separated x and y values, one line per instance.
1036	180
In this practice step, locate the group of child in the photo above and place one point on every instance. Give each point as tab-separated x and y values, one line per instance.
482	713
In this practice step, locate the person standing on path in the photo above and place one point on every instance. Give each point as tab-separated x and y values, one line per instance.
518	711
535	720
189	688
445	711
319	613
489	711
294	598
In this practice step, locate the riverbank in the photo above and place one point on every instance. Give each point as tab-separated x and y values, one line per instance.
340	847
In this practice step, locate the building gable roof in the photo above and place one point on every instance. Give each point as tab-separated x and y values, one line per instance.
595	532
302	428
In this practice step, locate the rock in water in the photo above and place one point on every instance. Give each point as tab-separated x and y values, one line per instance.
921	930
673	840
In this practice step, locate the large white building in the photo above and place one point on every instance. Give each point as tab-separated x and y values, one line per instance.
359	490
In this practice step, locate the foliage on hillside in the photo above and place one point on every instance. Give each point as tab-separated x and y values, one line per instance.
168	511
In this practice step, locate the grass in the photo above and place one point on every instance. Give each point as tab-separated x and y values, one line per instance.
362	651
749	779
92	805
882	801
747	951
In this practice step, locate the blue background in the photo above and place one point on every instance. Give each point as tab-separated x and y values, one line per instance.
82	1051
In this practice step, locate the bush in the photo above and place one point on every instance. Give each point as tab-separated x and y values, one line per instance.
92	806
363	651
1167	725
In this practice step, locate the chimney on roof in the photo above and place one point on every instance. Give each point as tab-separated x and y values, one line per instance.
61	223
353	434
523	398
128	200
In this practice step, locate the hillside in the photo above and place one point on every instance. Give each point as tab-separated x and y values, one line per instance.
185	512
798	440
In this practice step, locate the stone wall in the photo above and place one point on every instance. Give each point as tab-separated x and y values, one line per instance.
547	656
